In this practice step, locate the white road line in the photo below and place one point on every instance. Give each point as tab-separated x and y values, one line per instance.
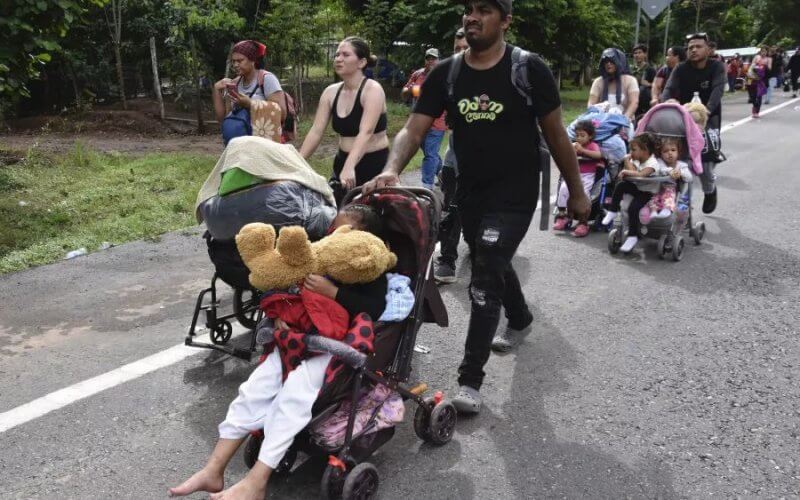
89	387
765	112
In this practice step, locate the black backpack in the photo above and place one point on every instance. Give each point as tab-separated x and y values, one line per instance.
520	80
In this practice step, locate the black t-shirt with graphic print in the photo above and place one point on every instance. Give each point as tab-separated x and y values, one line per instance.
495	136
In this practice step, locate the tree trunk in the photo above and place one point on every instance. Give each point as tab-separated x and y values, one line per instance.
156	81
75	86
698	5
299	87
139	79
120	76
198	104
115	29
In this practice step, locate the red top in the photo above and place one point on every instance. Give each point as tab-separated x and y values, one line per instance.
417	78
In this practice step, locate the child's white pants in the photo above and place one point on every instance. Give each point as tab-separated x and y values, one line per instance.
563	192
282	410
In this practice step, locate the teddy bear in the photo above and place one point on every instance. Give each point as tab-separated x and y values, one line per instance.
347	256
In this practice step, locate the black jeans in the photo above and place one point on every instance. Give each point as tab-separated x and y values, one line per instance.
493	239
640	199
755	98
450	228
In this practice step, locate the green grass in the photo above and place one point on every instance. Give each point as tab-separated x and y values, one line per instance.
53	204
573	102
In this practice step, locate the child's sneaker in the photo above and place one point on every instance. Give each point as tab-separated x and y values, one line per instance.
609	218
629	244
644	215
560	224
664	213
581	231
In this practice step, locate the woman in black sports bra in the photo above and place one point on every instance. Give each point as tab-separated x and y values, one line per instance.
357	108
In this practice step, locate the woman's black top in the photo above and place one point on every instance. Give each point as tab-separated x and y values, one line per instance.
350	124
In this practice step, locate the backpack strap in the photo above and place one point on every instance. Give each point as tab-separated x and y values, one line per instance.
520	78
452	76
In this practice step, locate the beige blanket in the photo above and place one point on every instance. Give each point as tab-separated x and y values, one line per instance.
268	160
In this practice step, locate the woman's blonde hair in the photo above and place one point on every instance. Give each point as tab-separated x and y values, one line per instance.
699	113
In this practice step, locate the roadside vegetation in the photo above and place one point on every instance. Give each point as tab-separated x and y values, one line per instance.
54	203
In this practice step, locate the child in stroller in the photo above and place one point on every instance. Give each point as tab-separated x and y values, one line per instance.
640	163
591	165
682	143
662	204
292	409
611	135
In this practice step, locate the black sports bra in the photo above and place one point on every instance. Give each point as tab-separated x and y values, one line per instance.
350	124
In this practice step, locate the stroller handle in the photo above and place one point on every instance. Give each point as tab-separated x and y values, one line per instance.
665	179
346	353
404	190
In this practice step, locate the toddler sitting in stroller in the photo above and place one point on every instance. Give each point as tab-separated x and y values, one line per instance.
662	204
590	158
641	162
284	407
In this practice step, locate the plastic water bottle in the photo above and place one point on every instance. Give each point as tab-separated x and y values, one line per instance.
696	99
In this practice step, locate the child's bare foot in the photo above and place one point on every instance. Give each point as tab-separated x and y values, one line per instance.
203	480
248	488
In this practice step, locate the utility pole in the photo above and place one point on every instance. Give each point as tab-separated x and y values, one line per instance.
666	30
638	18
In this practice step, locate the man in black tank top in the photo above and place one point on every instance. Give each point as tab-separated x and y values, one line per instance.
496	145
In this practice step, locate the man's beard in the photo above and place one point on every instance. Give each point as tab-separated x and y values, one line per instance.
480	44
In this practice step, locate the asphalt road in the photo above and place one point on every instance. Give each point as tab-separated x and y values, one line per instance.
643	378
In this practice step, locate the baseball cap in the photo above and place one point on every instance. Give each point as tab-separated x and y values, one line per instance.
505	5
432	52
460	33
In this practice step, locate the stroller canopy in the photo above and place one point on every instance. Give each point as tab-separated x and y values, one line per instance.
673	120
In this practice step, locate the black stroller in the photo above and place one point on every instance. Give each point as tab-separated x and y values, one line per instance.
412	219
278	203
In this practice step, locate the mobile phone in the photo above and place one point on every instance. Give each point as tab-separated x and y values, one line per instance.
232	89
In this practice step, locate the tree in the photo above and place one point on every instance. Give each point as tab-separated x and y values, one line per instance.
115	30
384	21
195	24
295	42
30	32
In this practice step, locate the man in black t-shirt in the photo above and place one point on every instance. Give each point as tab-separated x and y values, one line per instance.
497	147
706	77
645	74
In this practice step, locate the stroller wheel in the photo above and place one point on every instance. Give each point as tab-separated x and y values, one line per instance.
222	333
614	240
677	248
245	307
435	423
361	483
699	232
442	423
332	483
662	246
251	448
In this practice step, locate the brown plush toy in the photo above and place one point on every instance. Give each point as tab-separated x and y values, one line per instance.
348	256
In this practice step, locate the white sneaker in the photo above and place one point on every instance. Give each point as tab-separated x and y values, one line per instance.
609	218
664	213
630	242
